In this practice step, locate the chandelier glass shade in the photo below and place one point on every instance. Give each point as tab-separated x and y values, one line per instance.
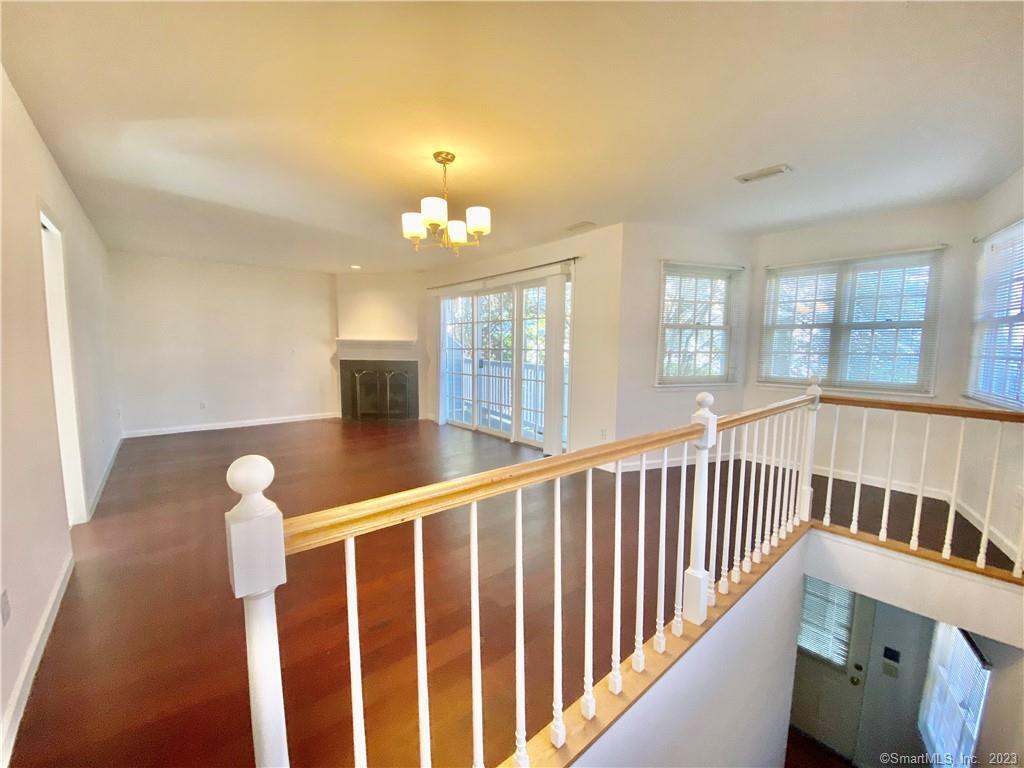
430	227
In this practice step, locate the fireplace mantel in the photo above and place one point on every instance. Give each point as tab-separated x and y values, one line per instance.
378	349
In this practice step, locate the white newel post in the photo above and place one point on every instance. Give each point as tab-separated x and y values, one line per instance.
806	492
695	585
255	534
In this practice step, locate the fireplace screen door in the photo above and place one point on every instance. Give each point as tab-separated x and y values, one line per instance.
494	366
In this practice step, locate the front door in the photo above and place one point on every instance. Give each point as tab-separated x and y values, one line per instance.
827	697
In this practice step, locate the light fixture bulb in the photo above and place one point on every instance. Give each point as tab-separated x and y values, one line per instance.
413	227
434	211
478	220
457	232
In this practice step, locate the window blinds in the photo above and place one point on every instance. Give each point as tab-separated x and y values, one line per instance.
997	360
827	621
866	324
694	325
954	695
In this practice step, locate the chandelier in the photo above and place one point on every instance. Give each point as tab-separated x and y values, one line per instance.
430	227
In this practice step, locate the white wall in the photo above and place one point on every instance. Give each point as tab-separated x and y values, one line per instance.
642	407
36	546
596	293
252	343
713	707
977	603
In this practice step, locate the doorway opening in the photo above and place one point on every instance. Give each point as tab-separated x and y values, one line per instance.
59	332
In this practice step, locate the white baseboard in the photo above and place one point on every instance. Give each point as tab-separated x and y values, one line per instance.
15	707
230	424
103	481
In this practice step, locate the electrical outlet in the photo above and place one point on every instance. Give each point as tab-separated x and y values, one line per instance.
202	405
5	608
604	434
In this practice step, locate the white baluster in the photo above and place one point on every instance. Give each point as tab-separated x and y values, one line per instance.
795	462
1019	559
752	504
784	469
983	547
474	618
947	542
421	644
771	532
557	722
355	663
883	533
695	593
920	483
810	433
827	518
760	492
737	553
713	556
659	625
723	583
615	678
638	638
677	619
255	539
588	705
860	471
522	758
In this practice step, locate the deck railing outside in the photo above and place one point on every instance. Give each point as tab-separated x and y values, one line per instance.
773	496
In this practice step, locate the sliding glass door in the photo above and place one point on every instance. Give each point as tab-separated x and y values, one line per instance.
495	371
494	360
531	363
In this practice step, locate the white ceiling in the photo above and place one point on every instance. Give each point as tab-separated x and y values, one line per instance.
295	134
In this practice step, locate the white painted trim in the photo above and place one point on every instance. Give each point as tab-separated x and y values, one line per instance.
103	481
15	707
230	424
1003	542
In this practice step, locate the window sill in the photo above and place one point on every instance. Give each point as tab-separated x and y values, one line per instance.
989	403
850	390
698	385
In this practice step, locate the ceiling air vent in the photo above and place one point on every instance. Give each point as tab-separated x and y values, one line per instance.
580	226
763	173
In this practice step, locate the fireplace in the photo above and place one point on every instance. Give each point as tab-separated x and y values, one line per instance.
379	389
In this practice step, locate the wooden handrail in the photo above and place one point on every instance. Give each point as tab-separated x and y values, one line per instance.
328	526
937	409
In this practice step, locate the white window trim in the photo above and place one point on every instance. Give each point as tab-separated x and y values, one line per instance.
831	382
976	325
688	382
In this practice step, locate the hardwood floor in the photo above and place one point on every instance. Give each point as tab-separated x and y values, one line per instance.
146	662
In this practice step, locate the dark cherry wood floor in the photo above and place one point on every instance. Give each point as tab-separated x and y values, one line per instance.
804	752
146	662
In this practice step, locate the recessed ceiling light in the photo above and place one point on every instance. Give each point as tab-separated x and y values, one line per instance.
354	266
763	173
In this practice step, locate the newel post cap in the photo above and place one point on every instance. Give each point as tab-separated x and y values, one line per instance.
704	416
815	391
255	529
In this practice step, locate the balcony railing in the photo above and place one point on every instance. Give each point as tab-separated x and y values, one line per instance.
767	497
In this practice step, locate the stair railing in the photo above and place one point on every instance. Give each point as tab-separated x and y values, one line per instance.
775	445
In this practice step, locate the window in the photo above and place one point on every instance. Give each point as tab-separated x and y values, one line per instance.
693	338
866	324
827	621
954	695
997	361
